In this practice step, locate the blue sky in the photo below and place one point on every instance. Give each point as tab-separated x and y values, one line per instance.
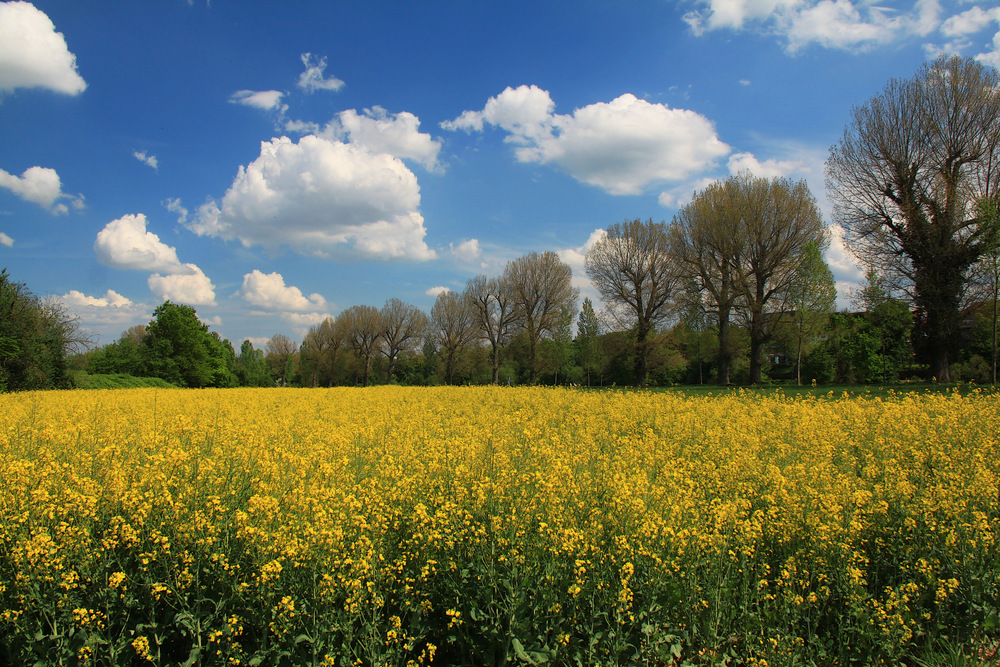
273	163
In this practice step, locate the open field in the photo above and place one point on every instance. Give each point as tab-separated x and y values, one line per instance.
480	526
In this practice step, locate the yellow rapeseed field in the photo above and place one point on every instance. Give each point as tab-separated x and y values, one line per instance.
478	526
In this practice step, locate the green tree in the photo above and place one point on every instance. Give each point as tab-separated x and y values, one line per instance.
695	330
122	356
177	347
589	351
905	180
986	277
558	350
36	337
223	358
812	297
251	369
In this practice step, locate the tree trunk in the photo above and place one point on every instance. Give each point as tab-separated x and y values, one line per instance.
725	356
388	373
496	363
641	350
756	362
532	373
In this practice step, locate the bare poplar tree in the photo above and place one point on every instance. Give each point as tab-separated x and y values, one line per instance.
454	322
779	223
906	179
403	327
636	275
709	245
363	328
320	347
136	332
494	308
541	286
280	351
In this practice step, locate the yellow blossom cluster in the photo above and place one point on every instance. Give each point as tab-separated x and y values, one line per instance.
399	526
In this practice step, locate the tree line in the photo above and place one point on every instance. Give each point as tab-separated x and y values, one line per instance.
734	289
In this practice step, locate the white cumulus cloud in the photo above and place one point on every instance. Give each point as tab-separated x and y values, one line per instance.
313	78
574	258
190	287
125	244
269	291
39	185
382	132
770	168
466	251
841	24
621	146
33	54
437	291
321	197
302	321
109	309
6	240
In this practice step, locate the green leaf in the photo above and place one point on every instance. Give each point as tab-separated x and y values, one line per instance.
519	652
192	657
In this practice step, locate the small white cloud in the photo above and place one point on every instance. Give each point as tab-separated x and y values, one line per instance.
682	194
174	206
125	244
99	311
767	169
6	240
301	127
437	291
258	342
191	287
111	299
39	185
149	160
382	132
970	21
992	58
836	24
268	291
265	100
842	24
466	251
621	146
321	197
313	79
575	258
744	82
215	321
33	54
302	321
